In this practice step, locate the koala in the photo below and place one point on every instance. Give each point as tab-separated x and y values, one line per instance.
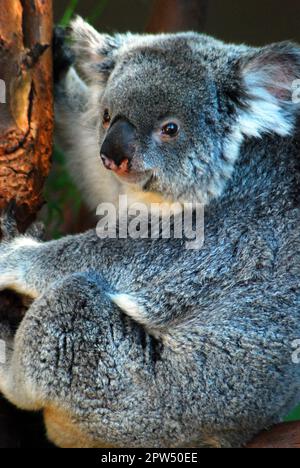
142	342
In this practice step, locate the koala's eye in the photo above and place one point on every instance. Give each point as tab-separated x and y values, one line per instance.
170	130
106	119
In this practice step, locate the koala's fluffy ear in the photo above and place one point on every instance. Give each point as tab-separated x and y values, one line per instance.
270	79
95	53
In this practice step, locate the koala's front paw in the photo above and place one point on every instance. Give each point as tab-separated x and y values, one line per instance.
13	254
63	56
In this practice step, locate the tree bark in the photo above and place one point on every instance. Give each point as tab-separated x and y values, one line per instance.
26	116
177	15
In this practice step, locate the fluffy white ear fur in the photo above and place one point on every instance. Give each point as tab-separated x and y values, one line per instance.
268	77
86	41
95	52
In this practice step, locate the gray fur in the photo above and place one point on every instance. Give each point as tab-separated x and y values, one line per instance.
143	343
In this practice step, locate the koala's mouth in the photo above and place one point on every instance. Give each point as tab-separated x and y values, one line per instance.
142	179
126	173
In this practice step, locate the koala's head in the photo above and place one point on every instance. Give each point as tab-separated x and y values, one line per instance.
174	109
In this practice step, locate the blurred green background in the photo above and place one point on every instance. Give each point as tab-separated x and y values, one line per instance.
256	22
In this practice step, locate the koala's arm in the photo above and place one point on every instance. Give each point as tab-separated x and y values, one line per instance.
28	266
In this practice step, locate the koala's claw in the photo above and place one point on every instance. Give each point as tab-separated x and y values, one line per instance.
8	223
63	56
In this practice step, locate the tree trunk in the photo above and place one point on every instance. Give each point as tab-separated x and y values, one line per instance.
177	15
282	436
26	123
26	116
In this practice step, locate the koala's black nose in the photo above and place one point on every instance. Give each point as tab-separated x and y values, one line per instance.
118	147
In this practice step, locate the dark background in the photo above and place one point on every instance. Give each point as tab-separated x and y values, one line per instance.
255	22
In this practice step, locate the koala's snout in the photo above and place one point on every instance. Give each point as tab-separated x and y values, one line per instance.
118	148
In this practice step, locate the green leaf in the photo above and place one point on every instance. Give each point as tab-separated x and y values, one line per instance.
69	12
